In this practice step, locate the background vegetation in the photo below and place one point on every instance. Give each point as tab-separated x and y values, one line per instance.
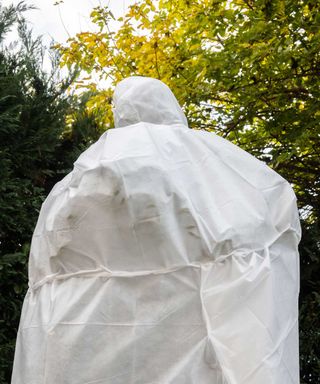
247	70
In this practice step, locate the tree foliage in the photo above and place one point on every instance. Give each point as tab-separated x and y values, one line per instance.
248	70
37	148
31	119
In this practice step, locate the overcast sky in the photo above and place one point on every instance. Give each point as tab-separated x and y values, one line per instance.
68	18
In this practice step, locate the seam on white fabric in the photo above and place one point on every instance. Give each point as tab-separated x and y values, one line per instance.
95	324
103	271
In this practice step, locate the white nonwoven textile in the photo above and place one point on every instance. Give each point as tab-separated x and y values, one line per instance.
168	255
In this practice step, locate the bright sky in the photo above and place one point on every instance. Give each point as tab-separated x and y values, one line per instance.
58	21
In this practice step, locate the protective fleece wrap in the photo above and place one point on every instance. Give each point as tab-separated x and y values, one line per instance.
167	256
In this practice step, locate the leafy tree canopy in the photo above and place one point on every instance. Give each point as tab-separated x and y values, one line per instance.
247	70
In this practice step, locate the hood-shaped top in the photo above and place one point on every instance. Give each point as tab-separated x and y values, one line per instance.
143	99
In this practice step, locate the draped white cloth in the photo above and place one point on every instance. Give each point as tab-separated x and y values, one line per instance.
168	255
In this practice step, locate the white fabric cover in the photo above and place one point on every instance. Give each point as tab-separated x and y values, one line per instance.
168	255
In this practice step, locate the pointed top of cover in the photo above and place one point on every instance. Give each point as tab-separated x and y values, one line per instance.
144	99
